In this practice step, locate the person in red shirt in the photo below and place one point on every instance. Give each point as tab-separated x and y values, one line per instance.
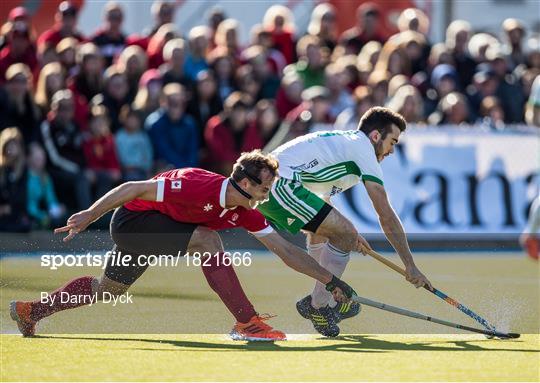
229	133
65	26
178	211
103	168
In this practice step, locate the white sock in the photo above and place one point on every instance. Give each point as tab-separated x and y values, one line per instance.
335	261
316	250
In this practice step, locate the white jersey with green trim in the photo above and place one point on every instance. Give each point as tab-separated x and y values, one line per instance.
329	162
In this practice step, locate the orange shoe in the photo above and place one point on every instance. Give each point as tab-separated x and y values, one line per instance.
256	330
20	313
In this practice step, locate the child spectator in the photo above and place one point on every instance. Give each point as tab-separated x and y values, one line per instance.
62	138
133	147
100	152
42	204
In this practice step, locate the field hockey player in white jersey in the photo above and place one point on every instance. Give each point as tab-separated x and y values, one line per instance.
313	168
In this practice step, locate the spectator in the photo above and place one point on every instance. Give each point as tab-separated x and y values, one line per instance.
407	101
414	46
452	110
444	80
323	25
65	26
133	146
156	44
485	84
289	95
17	106
263	38
222	64
279	22
215	16
173	133
228	134
310	65
349	118
339	96
368	28
492	113
266	123
439	54
350	71
393	60
415	20
66	51
196	58
114	96
479	44
226	39
109	38
378	81
457	38
532	110
310	115
147	98
205	101
269	83
46	54
367	59
42	205
103	168
89	81
63	142
514	34
133	62
509	91
246	83
173	70
163	13
13	176
51	79
395	83
19	48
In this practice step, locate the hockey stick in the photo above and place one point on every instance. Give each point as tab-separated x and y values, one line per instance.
412	314
437	292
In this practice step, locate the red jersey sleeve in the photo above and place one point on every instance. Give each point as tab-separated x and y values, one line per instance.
172	190
254	222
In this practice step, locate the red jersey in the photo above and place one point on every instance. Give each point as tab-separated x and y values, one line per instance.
193	195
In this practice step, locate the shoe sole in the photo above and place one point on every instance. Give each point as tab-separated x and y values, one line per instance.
253	338
13	314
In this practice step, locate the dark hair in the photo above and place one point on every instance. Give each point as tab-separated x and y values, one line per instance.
381	119
251	164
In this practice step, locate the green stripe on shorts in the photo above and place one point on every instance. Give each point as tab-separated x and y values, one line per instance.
290	206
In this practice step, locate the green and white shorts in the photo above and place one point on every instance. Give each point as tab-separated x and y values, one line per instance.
291	207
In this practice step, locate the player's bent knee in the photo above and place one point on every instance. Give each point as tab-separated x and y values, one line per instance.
339	230
205	240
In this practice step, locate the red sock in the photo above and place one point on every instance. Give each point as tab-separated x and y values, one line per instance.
80	287
223	280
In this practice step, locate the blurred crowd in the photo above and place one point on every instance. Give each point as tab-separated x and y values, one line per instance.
80	114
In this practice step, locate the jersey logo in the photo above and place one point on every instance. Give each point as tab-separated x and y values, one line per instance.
176	185
208	207
305	166
335	190
235	216
290	221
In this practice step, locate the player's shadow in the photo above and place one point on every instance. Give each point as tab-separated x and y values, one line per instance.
351	343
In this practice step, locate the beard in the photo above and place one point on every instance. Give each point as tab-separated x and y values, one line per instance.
379	150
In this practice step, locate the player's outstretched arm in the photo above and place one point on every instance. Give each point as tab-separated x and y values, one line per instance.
121	194
394	231
299	260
